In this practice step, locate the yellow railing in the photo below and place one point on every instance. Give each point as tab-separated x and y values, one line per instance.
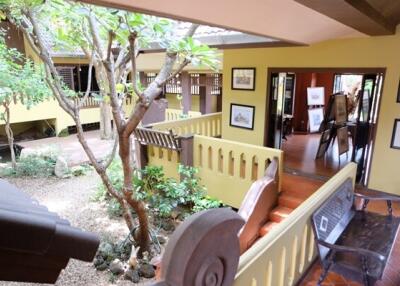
176	114
282	256
228	168
208	125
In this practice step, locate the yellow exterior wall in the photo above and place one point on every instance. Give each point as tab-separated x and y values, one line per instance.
363	52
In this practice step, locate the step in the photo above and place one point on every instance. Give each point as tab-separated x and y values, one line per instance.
290	201
279	213
267	228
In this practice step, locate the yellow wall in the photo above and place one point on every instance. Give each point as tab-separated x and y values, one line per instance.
371	52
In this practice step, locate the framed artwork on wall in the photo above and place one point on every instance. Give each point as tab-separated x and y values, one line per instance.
343	140
242	116
315	95
243	78
315	117
398	93
340	108
396	135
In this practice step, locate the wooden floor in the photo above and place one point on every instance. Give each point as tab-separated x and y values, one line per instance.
299	156
392	273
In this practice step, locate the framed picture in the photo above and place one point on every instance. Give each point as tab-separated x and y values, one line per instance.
396	135
242	116
315	96
243	78
340	108
315	117
398	93
343	140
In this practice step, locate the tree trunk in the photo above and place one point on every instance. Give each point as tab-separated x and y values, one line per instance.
138	206
106	132
10	137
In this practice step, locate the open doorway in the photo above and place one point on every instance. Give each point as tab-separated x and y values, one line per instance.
293	121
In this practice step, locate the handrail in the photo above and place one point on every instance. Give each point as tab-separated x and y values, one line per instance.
208	125
177	114
285	253
228	168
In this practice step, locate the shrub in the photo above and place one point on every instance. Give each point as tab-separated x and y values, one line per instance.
36	163
80	170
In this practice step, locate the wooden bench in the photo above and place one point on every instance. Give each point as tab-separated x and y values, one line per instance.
354	243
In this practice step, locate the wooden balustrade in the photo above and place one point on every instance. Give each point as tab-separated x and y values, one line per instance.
228	168
280	258
207	125
90	102
176	114
283	256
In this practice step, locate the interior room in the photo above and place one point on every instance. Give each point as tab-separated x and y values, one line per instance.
301	102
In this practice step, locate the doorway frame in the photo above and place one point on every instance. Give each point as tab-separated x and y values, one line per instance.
337	70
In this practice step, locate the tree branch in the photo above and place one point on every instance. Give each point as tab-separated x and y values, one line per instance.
94	29
113	152
132	54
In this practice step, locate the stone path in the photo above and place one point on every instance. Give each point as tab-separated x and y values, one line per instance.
71	149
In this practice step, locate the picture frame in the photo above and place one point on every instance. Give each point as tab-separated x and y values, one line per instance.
340	108
242	116
395	144
343	140
243	78
315	95
315	118
398	93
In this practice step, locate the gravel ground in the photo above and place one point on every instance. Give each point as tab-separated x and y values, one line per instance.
72	199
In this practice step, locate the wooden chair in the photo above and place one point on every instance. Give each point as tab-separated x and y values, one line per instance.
261	198
354	243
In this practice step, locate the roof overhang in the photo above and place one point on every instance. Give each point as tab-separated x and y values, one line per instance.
284	20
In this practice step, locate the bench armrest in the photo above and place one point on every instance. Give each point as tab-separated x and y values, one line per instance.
381	197
378	197
359	251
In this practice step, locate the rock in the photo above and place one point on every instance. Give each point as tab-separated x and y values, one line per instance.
174	214
106	249
116	267
133	257
132	275
168	226
61	169
147	270
161	239
98	261
102	266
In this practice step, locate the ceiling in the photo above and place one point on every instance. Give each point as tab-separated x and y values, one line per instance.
288	21
284	20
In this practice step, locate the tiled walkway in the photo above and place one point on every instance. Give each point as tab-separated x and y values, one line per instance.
71	149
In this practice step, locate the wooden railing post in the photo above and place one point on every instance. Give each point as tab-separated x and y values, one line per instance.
186	92
186	154
203	250
141	155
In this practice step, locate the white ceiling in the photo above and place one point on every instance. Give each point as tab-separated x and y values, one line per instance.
281	19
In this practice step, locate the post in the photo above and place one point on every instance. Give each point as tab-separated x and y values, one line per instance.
141	155
186	92
205	94
186	153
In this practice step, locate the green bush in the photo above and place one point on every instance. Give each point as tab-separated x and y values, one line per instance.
163	195
40	163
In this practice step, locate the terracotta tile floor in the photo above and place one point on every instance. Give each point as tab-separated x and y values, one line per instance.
392	273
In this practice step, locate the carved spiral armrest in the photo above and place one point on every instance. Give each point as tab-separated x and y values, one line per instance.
203	251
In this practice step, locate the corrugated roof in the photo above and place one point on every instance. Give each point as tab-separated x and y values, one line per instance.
36	244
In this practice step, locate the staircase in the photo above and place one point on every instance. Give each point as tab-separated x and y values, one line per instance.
295	190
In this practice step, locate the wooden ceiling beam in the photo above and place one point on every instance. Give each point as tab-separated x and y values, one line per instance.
358	14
